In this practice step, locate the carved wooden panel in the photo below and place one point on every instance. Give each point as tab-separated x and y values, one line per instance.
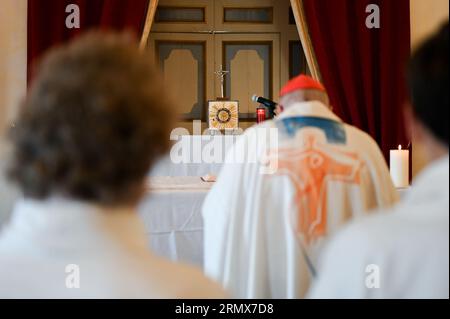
176	14
250	71
184	69
259	15
184	16
297	59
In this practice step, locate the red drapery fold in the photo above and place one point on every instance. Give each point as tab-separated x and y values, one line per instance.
47	21
363	68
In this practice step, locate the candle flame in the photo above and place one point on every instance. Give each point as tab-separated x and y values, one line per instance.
399	147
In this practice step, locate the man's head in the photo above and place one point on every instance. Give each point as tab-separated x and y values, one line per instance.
302	89
95	120
427	116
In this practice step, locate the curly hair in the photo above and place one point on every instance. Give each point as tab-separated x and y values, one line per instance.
95	120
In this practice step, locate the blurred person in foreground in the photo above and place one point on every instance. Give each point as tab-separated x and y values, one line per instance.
404	254
94	122
286	186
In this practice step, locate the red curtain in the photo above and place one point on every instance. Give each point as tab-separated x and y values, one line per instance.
363	68
47	21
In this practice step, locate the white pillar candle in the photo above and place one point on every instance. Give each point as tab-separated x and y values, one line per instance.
399	165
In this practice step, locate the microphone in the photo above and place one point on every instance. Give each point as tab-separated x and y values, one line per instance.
266	102
271	105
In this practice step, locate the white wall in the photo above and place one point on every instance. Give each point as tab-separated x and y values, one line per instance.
13	67
426	16
13	58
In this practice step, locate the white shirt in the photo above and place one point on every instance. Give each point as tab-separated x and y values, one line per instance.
404	252
47	244
263	232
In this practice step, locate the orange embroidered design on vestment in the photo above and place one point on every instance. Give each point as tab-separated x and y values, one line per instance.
310	168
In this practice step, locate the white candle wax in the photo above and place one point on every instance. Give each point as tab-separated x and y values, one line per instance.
399	165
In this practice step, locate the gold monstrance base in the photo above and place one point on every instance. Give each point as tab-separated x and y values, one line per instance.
223	114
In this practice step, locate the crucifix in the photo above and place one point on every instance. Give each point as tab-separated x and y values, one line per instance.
223	114
222	73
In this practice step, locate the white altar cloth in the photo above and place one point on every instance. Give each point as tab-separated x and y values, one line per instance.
172	216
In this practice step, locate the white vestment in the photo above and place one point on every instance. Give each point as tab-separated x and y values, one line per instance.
269	213
403	254
65	249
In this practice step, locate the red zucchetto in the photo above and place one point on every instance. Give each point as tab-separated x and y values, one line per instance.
301	82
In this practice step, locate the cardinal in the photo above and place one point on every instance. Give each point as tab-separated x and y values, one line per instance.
269	215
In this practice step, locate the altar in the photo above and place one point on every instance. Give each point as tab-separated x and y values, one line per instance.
172	215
